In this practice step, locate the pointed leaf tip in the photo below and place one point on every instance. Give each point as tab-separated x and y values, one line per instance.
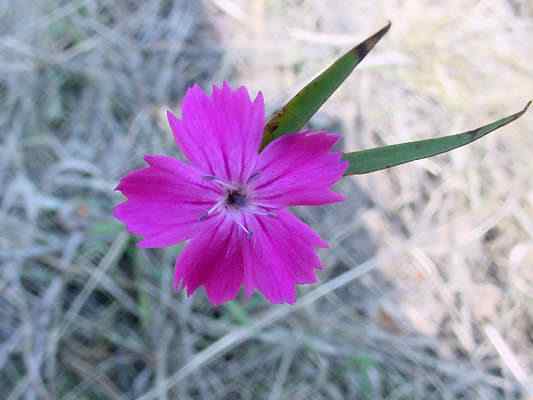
362	49
295	114
371	160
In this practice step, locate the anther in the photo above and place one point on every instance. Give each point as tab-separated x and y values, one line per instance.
253	176
203	217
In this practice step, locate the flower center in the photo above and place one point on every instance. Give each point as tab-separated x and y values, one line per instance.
236	199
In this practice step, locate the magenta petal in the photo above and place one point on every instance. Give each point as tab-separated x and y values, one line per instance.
214	260
299	169
280	254
164	201
220	133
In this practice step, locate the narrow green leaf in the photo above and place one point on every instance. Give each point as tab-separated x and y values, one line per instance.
365	161
293	115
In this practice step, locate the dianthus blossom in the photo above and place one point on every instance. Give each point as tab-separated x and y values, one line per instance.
229	201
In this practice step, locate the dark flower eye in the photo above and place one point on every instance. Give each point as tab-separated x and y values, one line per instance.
236	199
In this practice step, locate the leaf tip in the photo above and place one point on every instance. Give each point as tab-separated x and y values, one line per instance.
379	34
522	112
362	49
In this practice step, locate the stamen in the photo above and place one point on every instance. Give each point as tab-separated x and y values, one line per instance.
262	210
253	176
218	205
203	217
220	182
265	213
248	233
215	207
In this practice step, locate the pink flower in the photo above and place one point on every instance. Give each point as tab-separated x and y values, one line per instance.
230	201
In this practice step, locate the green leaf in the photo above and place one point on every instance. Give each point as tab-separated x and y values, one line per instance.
294	115
365	161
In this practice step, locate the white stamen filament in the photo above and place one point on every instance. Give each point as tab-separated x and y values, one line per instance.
248	233
221	183
261	211
217	207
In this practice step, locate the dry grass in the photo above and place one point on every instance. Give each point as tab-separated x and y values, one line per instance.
428	292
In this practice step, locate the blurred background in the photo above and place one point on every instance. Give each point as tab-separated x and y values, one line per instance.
428	287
